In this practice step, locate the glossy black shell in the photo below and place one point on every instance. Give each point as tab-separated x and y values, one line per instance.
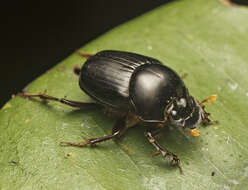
128	81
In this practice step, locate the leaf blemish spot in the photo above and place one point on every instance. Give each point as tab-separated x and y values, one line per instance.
149	47
232	85
27	121
189	36
70	154
61	68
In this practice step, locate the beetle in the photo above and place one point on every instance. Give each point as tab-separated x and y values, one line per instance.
137	90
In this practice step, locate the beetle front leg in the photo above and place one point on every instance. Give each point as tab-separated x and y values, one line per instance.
71	103
92	141
174	159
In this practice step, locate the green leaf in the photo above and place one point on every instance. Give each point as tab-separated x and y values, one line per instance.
206	40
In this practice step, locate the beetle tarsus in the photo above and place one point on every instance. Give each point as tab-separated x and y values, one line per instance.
93	141
165	153
80	144
208	122
90	142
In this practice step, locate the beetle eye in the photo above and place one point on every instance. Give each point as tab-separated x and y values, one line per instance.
182	102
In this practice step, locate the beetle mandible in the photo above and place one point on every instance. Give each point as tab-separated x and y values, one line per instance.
138	90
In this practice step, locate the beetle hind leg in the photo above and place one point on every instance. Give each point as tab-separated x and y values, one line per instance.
165	153
71	103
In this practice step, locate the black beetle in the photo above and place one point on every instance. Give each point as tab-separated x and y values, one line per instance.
138	90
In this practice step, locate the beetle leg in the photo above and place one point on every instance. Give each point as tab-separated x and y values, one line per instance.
126	122
91	141
44	96
84	55
207	121
120	126
94	141
174	159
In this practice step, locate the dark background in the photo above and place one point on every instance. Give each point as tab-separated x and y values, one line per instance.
37	35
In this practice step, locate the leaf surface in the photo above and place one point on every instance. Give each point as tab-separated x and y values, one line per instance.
206	40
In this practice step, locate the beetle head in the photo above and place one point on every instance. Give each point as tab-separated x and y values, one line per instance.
185	112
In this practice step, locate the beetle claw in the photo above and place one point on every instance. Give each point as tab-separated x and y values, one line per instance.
175	161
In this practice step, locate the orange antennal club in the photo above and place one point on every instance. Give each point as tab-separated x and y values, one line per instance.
210	99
